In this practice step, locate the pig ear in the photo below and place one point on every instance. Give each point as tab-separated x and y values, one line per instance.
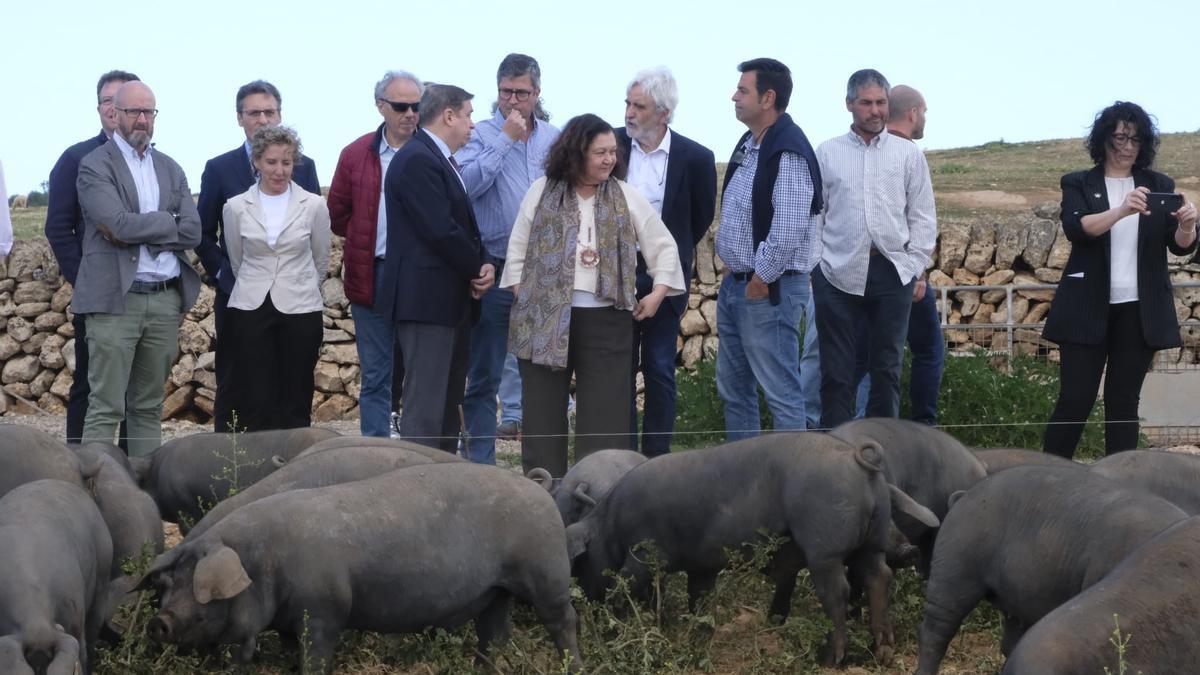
160	564
902	503
219	575
579	535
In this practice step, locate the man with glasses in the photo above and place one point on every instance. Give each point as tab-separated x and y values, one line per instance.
135	282
505	155
229	175
357	212
64	231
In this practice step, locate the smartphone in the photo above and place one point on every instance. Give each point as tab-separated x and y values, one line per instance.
1164	202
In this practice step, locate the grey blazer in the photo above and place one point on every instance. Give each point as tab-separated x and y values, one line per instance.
290	271
108	196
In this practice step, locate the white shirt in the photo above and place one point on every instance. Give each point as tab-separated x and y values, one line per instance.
876	194
657	245
150	267
446	153
648	170
386	153
6	231
274	211
1122	276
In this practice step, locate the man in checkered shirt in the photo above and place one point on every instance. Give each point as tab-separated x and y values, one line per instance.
878	236
769	243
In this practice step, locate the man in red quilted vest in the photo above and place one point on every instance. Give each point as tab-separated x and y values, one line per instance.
357	213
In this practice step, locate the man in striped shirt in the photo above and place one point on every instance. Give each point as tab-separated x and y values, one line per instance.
878	236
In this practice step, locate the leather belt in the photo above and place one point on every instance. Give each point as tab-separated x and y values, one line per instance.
154	286
745	276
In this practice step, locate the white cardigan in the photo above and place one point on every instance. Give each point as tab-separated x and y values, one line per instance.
292	270
655	242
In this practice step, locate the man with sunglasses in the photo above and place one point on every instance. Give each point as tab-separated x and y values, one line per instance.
357	212
505	155
64	231
135	282
229	175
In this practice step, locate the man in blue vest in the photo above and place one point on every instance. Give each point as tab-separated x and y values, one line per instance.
769	243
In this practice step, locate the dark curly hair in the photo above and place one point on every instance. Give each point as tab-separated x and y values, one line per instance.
567	160
1107	121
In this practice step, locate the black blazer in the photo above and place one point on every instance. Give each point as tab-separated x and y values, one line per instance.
64	219
226	176
689	203
1079	313
433	244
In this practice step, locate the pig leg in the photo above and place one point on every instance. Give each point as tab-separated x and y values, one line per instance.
949	598
1013	630
783	568
560	620
493	624
871	568
700	583
829	581
318	640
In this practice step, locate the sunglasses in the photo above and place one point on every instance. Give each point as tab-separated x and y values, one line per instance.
400	106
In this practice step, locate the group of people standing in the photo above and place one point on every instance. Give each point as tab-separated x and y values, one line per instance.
569	251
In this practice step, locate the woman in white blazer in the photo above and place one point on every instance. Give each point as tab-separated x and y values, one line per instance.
278	238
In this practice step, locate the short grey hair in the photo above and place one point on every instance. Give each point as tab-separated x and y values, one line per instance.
659	84
864	78
438	97
274	134
382	85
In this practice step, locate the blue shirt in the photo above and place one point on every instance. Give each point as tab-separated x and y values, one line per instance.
498	172
793	242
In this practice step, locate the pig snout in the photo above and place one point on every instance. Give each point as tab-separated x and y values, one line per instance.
162	627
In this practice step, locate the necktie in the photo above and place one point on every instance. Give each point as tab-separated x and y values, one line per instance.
454	164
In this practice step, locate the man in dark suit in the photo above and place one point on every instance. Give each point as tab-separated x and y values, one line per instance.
64	231
679	177
434	270
229	175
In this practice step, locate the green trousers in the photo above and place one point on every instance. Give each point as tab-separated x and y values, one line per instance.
129	358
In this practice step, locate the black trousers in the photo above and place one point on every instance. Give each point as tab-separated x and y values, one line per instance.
435	377
1128	358
600	351
221	366
77	398
271	357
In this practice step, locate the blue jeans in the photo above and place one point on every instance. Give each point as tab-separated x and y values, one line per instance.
489	348
760	346
810	367
885	307
654	354
510	391
375	338
928	357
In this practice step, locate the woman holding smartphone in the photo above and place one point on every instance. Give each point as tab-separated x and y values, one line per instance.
1115	306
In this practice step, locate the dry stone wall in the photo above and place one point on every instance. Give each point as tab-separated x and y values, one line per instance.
37	349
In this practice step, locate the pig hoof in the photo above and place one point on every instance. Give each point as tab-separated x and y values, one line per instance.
884	654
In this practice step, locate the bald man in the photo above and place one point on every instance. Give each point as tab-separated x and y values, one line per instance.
906	119
135	281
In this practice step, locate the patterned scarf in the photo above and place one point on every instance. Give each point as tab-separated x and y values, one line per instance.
540	325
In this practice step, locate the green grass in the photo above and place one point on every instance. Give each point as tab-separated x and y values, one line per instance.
28	223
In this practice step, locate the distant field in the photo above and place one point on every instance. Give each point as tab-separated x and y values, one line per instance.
28	223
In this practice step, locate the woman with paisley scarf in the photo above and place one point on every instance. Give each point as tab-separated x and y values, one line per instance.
571	262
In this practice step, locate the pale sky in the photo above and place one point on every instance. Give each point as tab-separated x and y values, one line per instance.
1018	70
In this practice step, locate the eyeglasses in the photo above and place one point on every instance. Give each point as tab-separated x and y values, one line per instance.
134	113
265	113
521	94
1121	139
400	106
